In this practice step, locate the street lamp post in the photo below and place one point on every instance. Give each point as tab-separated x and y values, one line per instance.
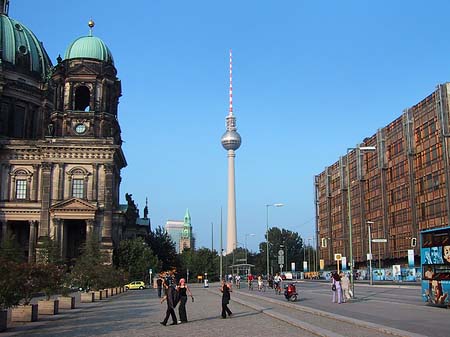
370	251
267	234
246	250
309	255
349	210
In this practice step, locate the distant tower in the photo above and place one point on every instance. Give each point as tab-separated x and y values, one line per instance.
231	140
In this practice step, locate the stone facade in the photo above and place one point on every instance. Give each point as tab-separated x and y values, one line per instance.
60	155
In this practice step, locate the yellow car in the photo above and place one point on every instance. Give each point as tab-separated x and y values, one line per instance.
135	285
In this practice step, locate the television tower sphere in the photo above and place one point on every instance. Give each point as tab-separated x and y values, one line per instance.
231	140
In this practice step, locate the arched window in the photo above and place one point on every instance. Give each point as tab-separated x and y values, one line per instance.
82	98
78	178
20	179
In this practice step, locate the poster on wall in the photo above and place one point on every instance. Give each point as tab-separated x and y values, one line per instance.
432	255
411	258
344	263
435	292
410	274
378	275
322	264
396	271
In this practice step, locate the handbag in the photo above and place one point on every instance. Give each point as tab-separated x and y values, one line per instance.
333	287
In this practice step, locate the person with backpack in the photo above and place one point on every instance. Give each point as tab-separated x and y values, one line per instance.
172	301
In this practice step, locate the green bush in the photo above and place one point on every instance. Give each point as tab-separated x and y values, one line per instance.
10	284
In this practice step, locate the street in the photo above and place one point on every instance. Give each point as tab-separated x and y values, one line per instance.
377	311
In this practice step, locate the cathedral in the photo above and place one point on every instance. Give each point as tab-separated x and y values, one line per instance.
60	142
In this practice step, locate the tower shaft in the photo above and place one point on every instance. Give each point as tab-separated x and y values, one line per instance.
231	216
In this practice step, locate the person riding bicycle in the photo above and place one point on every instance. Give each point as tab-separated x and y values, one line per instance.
237	279
277	282
250	281
260	283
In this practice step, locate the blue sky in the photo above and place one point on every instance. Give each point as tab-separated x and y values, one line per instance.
310	79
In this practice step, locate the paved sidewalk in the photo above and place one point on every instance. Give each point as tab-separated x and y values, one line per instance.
138	313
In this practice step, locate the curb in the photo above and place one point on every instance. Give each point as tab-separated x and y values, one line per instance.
337	317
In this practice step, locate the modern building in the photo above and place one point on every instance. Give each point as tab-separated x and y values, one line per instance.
181	233
60	142
400	189
231	141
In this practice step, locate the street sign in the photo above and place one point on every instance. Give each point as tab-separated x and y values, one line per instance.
281	266
281	252
379	240
280	259
337	257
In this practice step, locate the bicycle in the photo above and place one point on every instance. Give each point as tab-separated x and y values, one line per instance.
277	288
250	285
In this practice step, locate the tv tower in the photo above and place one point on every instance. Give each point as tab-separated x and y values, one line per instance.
231	140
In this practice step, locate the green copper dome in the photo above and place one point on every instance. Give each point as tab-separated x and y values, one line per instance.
89	47
20	50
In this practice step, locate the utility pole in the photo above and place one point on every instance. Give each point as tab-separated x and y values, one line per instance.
221	248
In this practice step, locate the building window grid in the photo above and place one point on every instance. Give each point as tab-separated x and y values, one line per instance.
21	189
78	188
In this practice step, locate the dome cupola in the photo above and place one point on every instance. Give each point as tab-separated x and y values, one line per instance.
20	50
89	47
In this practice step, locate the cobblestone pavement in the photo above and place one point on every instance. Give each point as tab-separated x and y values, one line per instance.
138	313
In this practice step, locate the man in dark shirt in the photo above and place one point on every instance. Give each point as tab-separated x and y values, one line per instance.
172	301
159	283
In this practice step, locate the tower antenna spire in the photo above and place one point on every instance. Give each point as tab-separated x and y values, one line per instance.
231	83
231	140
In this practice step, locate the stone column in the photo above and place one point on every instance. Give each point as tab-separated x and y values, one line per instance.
34	189
45	199
94	182
90	227
4	225
61	181
57	230
107	220
32	241
7	180
107	244
2	182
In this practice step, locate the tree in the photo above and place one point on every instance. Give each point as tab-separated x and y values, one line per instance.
50	252
10	249
88	271
200	262
10	278
137	258
164	248
282	239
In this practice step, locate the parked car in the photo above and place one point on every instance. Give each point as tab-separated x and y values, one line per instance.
135	285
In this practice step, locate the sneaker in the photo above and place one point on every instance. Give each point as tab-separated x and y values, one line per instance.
162	323
179	322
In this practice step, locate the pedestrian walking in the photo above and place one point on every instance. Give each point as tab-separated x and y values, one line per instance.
172	300
345	285
183	291
225	288
336	287
159	283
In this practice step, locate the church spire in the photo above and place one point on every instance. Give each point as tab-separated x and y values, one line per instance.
187	218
